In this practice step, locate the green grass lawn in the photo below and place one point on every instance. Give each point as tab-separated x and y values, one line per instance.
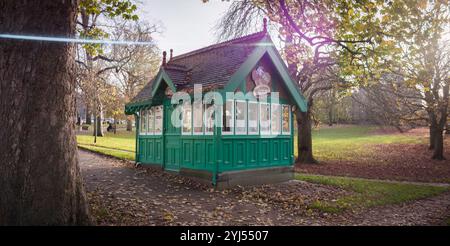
368	193
337	143
121	145
344	143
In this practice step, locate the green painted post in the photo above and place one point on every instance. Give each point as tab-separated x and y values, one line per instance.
291	114
163	136
136	119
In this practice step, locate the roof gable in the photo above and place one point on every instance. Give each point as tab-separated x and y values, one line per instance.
267	47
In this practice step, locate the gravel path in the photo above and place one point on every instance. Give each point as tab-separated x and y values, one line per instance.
120	194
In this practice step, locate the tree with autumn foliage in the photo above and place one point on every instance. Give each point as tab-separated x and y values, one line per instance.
92	23
416	48
143	64
314	34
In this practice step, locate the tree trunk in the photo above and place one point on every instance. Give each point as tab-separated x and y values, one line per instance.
304	147
433	134
330	116
99	130
129	125
40	179
331	108
438	153
88	115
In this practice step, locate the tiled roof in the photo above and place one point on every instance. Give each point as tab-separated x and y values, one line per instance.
145	93
211	66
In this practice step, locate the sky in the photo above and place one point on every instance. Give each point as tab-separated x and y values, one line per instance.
186	24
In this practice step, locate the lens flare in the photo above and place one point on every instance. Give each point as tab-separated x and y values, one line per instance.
72	40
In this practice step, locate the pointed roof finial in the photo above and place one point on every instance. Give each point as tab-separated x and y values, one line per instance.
164	58
171	54
265	25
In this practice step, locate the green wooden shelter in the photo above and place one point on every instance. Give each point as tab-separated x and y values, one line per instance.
242	134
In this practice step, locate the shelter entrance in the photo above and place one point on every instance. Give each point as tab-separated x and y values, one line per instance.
172	139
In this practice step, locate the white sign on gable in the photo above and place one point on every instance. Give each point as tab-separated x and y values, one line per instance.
262	80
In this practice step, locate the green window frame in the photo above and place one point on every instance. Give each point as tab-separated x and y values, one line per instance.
186	123
197	119
286	117
228	118
159	114
209	118
264	118
240	126
143	123
275	119
151	121
253	117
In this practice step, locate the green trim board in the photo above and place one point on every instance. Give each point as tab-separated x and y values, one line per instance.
162	75
133	108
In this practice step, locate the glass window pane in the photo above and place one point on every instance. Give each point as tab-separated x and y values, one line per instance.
198	117
143	121
241	117
276	119
264	115
151	121
209	118
187	118
228	122
158	119
286	120
253	127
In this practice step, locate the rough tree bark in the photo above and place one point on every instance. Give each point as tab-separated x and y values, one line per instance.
99	130
98	120
88	115
39	175
438	112
330	115
432	137
438	153
304	146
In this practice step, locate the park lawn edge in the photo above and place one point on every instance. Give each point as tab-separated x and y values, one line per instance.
108	152
368	193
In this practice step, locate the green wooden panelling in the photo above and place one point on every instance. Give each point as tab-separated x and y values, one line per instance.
285	150
227	152
158	151
142	152
150	149
173	153
187	153
255	152
264	152
210	153
199	154
239	153
150	154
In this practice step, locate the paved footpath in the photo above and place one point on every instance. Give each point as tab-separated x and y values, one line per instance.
120	194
